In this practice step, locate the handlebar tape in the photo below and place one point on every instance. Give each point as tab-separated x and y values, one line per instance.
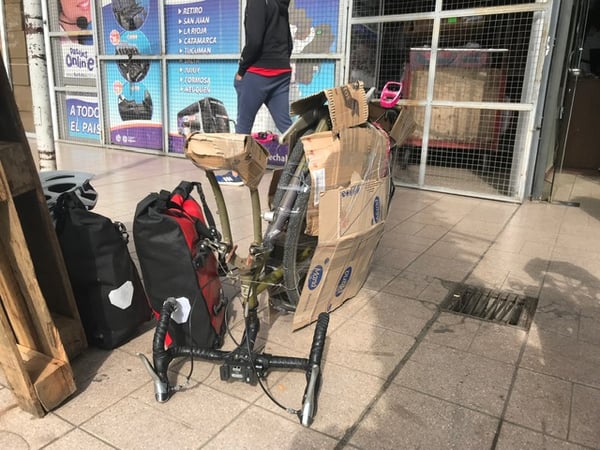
162	357
316	351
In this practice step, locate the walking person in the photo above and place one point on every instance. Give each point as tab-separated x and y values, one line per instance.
264	72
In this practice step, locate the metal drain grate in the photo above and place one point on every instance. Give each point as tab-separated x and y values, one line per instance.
496	306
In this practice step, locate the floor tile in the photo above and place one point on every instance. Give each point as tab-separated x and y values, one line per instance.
443	268
337	411
459	377
367	348
540	402
396	313
379	276
21	430
499	342
513	437
184	430
405	419
563	357
102	379
248	431
394	258
453	330
437	290
585	416
77	439
556	313
479	228
411	284
589	325
394	239
452	250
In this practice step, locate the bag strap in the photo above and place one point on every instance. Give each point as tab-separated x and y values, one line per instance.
210	220
65	202
176	200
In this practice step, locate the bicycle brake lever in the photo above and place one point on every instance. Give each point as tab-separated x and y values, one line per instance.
309	403
161	388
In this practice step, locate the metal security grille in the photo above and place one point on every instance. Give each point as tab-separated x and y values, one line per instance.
500	307
470	72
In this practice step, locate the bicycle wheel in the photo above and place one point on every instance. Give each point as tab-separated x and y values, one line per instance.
295	263
295	157
298	249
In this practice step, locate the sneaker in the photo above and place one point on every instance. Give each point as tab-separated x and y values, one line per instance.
229	179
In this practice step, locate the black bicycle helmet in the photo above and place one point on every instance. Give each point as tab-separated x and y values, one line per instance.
56	182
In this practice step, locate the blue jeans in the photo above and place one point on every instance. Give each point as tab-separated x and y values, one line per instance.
255	90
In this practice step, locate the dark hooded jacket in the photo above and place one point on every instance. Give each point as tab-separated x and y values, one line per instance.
268	38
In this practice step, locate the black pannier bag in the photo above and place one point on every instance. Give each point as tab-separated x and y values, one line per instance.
110	296
171	232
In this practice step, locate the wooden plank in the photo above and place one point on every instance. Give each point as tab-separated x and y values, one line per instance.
16	252
32	355
24	183
15	161
52	379
14	369
69	328
12	298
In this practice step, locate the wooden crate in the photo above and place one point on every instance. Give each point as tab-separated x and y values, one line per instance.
466	126
462	75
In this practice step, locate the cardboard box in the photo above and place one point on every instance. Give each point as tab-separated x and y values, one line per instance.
399	129
334	160
228	151
356	154
353	210
338	271
347	105
404	126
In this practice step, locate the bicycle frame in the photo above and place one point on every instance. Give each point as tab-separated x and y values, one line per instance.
253	279
244	363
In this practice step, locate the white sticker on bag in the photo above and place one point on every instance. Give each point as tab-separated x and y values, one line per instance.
122	297
182	312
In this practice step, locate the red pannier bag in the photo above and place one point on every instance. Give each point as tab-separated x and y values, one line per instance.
170	232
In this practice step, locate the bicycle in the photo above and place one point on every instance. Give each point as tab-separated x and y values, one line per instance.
278	261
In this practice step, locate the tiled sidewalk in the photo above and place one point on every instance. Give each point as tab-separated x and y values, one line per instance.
399	372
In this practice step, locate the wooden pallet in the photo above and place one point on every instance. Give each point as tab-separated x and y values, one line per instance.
32	355
40	327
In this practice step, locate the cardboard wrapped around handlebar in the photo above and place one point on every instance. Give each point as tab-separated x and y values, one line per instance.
228	151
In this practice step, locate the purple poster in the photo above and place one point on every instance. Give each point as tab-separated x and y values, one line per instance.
130	27
134	103
83	117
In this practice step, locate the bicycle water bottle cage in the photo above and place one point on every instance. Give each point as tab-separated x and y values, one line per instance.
391	93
